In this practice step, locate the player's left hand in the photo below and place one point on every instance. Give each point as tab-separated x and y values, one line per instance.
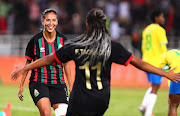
20	93
173	76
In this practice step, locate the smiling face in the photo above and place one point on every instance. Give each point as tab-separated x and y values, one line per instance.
50	22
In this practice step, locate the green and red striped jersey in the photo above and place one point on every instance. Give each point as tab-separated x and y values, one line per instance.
37	48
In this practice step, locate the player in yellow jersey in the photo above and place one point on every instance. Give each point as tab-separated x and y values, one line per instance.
153	45
170	59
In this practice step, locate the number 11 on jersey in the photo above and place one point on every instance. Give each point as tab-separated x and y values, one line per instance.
87	69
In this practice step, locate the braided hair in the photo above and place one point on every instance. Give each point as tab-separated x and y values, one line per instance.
95	38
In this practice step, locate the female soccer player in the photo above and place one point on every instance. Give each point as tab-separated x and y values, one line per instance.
47	86
93	53
170	59
153	45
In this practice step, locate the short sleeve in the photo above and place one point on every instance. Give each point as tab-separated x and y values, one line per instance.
163	62
30	50
120	55
161	33
63	54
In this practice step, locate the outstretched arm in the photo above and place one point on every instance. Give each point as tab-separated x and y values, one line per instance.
151	69
47	60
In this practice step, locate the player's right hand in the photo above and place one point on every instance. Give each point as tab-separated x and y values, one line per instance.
14	75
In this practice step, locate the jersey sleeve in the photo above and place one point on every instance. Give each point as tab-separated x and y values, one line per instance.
163	62
120	55
30	50
161	33
63	54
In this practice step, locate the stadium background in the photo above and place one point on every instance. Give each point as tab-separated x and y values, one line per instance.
20	19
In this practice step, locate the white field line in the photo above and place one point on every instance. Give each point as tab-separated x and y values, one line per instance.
21	108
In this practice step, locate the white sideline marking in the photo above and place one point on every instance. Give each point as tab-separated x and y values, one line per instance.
21	108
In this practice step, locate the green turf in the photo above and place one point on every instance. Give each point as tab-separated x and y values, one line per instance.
124	102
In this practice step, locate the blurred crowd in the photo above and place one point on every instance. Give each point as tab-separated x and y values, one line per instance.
124	16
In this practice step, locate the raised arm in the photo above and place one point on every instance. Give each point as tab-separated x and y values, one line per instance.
47	60
151	69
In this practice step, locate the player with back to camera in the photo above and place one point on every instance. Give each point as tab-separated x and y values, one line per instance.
47	85
153	45
169	60
93	53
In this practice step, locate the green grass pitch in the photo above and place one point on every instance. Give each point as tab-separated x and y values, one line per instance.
123	102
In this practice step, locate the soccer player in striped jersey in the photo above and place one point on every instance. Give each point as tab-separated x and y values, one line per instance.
47	84
93	53
169	60
153	45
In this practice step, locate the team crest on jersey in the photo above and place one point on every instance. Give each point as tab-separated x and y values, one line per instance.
36	93
42	49
59	46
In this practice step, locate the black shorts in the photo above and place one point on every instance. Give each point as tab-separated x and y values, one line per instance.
69	113
56	93
85	102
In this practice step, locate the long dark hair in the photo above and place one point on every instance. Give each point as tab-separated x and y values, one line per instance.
96	37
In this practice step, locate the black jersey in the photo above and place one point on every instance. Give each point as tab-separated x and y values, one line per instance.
37	48
91	90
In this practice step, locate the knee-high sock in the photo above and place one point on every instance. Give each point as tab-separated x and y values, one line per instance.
144	102
151	102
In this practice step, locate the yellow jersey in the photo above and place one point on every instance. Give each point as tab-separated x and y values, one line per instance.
154	42
170	59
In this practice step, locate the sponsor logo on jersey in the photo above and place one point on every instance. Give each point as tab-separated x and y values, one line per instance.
42	49
36	93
